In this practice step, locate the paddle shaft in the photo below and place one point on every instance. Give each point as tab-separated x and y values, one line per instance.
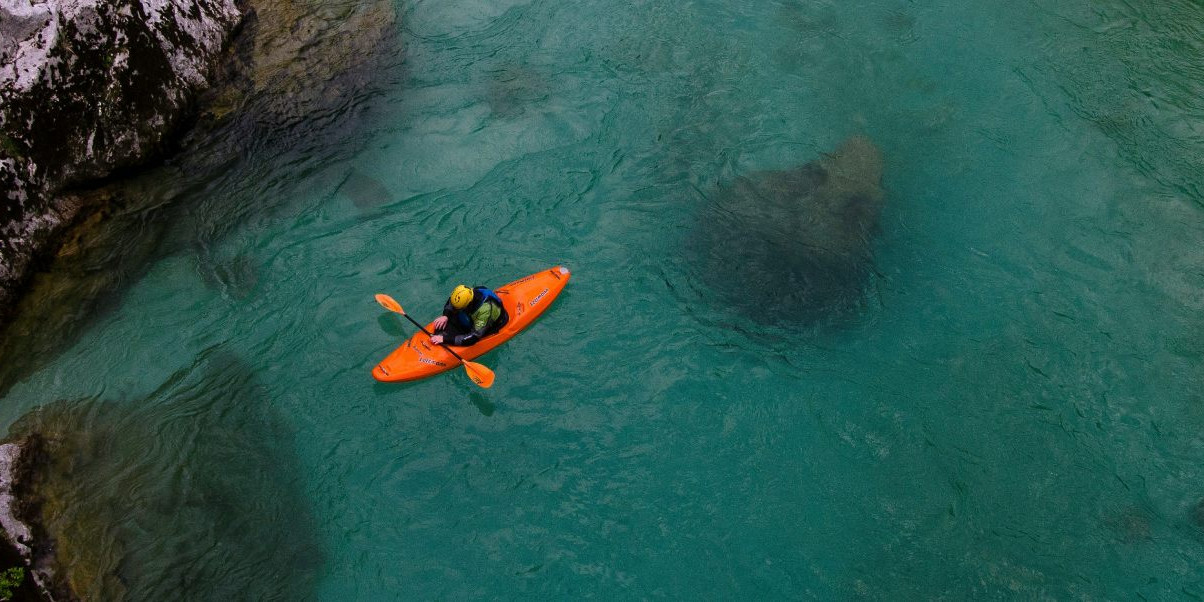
424	330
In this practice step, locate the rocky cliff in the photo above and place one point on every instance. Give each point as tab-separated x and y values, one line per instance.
89	88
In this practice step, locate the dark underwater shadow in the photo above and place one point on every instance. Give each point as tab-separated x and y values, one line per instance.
234	277
514	88
389	323
482	404
364	191
792	247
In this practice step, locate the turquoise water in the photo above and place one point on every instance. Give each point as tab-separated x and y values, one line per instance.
1014	410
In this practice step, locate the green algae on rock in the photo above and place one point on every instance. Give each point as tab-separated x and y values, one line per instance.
299	61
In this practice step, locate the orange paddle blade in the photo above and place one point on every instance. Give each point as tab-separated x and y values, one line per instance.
479	374
388	303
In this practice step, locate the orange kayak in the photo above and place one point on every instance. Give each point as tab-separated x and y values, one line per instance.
524	299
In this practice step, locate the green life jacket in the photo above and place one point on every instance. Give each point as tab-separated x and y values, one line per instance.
484	310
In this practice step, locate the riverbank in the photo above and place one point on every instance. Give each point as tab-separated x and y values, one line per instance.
83	232
88	91
289	63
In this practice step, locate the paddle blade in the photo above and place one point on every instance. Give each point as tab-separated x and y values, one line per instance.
388	303
479	374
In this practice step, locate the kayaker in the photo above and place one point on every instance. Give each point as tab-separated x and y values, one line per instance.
469	315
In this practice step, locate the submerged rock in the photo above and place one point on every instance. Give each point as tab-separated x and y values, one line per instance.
364	191
192	493
793	246
304	63
1131	525
234	277
513	88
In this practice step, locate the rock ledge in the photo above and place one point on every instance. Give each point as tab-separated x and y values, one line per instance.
89	88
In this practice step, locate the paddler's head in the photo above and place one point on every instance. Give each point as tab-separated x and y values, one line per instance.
461	296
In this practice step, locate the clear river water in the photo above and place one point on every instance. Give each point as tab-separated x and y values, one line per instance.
1014	407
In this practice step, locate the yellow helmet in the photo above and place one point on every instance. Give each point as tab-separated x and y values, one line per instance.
461	297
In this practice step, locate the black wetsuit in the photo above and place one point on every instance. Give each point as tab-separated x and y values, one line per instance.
465	326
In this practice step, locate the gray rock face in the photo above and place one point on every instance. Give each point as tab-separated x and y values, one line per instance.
88	88
16	461
791	247
290	61
14	528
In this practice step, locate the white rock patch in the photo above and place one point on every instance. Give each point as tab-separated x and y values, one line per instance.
16	531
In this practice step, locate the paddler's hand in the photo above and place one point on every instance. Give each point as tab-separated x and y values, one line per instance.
437	339
440	322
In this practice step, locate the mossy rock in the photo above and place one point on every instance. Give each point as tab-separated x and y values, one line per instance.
176	496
